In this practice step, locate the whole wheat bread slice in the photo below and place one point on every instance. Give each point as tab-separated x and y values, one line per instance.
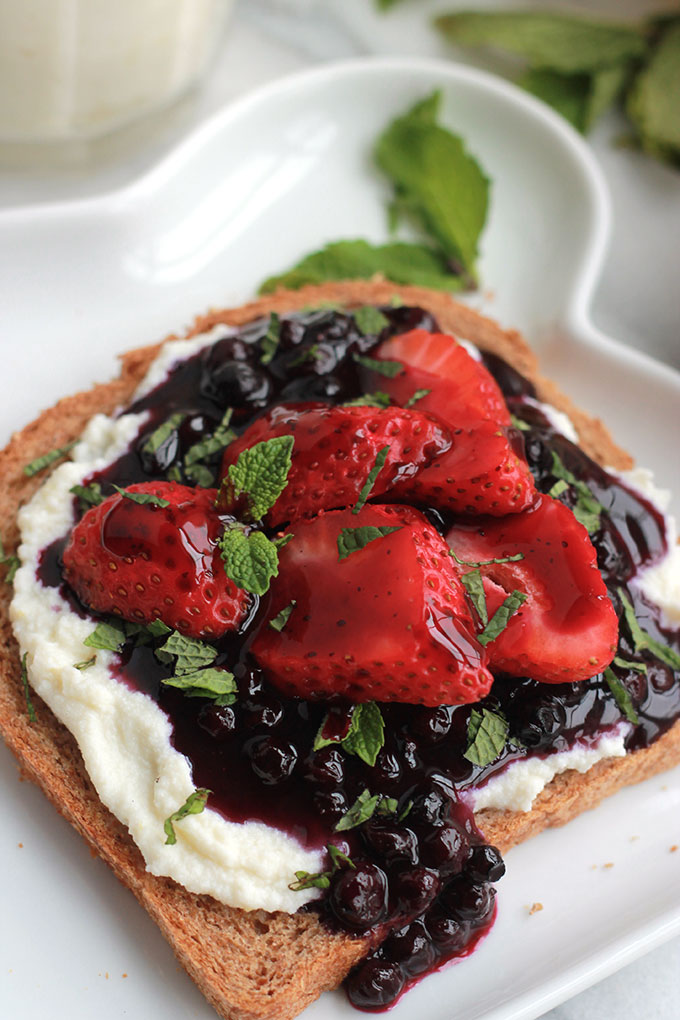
260	966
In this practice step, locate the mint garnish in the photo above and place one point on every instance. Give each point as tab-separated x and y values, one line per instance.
260	474
375	399
500	618
216	684
193	805
515	558
369	320
143	498
487	735
587	510
638	667
390	369
109	636
474	586
160	435
88	495
372	476
418	395
190	653
361	810
322	879
352	539
270	341
250	560
279	621
32	717
40	463
366	734
208	447
642	641
85	664
621	695
11	561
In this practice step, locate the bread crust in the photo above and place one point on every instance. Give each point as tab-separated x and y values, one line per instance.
255	965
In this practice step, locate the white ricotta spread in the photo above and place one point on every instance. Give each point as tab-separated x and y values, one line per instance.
124	736
516	788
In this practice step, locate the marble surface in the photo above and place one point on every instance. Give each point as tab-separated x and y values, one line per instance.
637	300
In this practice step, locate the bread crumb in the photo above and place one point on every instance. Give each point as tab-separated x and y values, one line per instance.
20	845
106	975
535	907
609	864
673	848
633	838
124	975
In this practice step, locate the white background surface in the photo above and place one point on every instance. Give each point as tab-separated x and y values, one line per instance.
637	302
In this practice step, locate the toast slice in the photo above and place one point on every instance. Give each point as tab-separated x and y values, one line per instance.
255	965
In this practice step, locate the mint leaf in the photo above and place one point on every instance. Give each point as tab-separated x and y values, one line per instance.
208	447
308	880
143	498
110	636
642	641
639	667
579	98
515	558
621	696
199	474
32	717
499	620
558	488
370	320
474	586
653	104
375	399
279	621
249	560
261	474
160	436
270	341
190	654
361	810
388	806
282	540
193	805
366	733
216	684
437	180
40	463
11	561
558	42
390	369
372	476
518	423
487	735
418	395
586	510
88	495
85	664
352	539
400	262
338	858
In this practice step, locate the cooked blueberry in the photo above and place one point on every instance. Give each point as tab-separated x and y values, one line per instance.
448	933
415	889
374	984
358	896
431	807
445	848
217	720
312	387
485	864
468	901
326	767
431	725
330	805
265	711
238	383
391	841
411	947
273	760
386	771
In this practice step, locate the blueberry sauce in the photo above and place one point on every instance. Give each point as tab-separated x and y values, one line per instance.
420	881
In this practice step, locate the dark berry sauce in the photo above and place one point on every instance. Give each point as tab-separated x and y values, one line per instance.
421	880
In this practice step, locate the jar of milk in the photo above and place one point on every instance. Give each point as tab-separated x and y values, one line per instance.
75	69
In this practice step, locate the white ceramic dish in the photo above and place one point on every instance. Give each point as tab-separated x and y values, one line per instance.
272	177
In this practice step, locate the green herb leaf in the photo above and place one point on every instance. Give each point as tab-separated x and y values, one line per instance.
499	620
85	664
308	880
193	805
558	488
40	463
261	474
200	475
370	320
400	262
515	558
110	636
361	810
376	399
311	353
638	667
621	696
387	806
352	539
279	621
642	641
270	341
579	98
143	498
249	560
391	369
282	540
372	476
366	733
165	431
474	586
338	858
558	42
88	495
208	447
216	684
32	717
190	653
437	180
487	735
587	510
653	104
11	561
418	395
519	424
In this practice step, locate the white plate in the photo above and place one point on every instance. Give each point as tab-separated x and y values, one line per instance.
269	179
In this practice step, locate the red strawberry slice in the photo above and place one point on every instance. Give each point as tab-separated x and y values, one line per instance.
147	562
461	390
482	473
390	621
567	629
336	448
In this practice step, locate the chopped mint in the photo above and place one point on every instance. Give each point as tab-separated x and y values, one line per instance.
208	447
250	560
85	664
370	321
515	558
338	858
32	717
500	618
190	654
322	879
390	369
352	539
519	424
558	488
193	805
587	510
638	667
282	540
88	495
311	353
40	463
375	399
372	476
11	561
642	641
279	621
418	395
143	498
165	431
366	734
487	735
387	806
474	586
216	684
109	636
271	339
199	474
621	696
361	810
261	474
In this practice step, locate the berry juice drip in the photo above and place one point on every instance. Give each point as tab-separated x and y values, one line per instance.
422	874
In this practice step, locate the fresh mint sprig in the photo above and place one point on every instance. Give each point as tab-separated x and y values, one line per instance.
365	736
487	735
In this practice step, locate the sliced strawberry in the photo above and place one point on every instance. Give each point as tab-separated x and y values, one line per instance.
147	562
482	473
389	621
461	390
336	448
567	629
